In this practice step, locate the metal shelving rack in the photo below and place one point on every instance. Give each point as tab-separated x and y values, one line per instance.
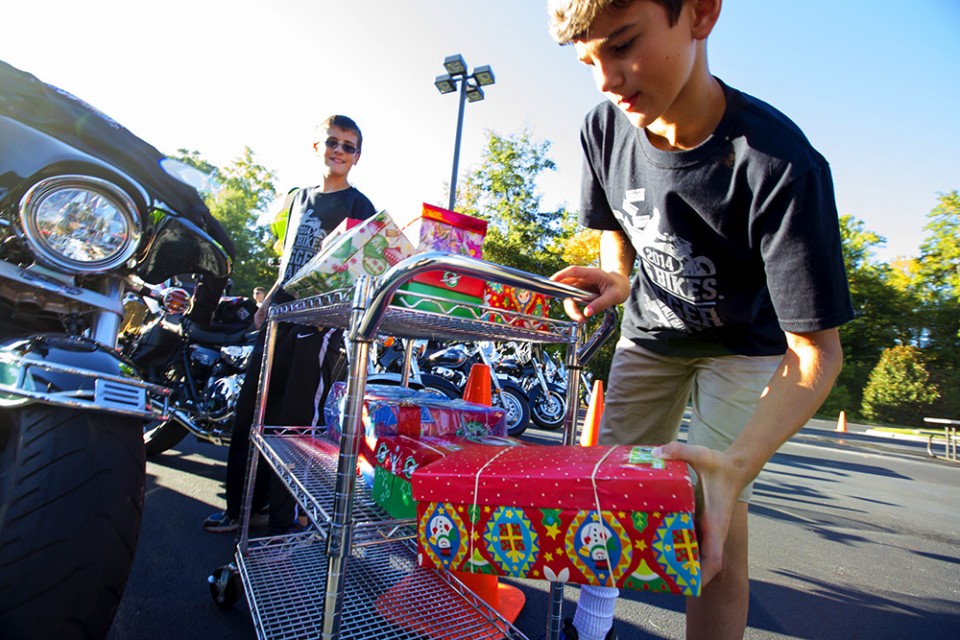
354	574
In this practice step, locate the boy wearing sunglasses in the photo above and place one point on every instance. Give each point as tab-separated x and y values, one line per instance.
740	284
306	359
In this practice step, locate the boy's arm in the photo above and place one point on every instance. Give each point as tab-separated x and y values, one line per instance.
795	392
611	280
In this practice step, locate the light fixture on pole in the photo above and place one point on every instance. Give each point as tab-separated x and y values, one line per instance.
470	90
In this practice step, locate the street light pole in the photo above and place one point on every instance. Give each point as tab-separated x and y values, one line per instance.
470	89
456	146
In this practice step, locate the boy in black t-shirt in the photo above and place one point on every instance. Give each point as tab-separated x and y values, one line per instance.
306	358
740	287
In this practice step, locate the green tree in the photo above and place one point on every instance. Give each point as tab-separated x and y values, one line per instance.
935	275
899	390
939	268
245	188
882	314
502	190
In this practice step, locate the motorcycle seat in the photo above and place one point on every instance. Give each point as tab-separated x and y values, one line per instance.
213	336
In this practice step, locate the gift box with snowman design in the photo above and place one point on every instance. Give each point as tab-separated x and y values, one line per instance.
398	458
605	515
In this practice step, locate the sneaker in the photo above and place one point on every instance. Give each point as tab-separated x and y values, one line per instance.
220	522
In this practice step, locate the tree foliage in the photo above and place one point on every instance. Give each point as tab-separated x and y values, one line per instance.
908	303
245	188
503	191
939	268
882	314
899	389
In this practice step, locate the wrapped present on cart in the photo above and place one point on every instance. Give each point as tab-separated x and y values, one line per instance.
339	230
439	229
397	458
369	248
608	516
390	410
516	301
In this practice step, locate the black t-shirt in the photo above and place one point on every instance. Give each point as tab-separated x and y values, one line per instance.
313	215
737	239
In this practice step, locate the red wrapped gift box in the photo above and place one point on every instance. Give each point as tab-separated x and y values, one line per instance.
609	516
393	410
502	296
443	230
397	458
390	410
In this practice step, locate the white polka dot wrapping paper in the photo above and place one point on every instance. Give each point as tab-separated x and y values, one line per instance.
613	516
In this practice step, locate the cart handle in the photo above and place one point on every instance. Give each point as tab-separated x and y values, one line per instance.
464	265
599	336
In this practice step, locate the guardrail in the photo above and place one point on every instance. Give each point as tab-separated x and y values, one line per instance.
950	435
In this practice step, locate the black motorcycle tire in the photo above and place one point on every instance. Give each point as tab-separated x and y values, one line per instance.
71	500
440	385
162	436
517	406
547	409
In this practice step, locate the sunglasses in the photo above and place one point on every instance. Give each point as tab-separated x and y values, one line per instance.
348	148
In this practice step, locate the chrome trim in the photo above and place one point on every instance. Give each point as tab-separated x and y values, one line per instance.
34	277
111	393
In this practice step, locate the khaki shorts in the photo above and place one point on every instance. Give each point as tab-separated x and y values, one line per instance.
648	394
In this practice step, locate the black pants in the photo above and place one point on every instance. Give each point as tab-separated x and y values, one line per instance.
306	361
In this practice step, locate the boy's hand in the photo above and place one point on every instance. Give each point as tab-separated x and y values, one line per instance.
721	483
613	289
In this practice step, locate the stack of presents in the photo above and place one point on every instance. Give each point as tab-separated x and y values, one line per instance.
372	246
485	503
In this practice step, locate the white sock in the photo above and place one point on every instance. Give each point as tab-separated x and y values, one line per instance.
594	615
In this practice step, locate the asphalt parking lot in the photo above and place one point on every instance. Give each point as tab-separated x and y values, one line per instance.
852	537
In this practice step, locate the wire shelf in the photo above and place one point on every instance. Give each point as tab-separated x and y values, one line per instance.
356	560
407	319
385	596
307	465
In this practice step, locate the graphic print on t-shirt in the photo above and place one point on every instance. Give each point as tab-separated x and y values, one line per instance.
682	287
306	243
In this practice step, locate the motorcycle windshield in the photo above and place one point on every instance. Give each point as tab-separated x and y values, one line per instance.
74	122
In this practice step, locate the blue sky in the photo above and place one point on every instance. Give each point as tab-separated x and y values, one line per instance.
874	86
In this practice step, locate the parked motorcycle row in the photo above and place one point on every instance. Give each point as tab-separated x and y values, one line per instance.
528	382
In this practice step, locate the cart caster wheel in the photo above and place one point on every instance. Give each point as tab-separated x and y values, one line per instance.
225	586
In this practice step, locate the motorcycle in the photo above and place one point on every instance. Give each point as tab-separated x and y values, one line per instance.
524	364
453	363
203	366
555	372
387	367
85	207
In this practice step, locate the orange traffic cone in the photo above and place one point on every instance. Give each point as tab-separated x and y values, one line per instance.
506	599
842	422
591	423
478	387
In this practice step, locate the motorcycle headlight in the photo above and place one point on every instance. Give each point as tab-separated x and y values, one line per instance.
80	224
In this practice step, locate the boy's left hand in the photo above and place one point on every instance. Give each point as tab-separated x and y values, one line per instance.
721	483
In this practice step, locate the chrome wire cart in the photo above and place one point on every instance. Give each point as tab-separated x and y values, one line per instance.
353	574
